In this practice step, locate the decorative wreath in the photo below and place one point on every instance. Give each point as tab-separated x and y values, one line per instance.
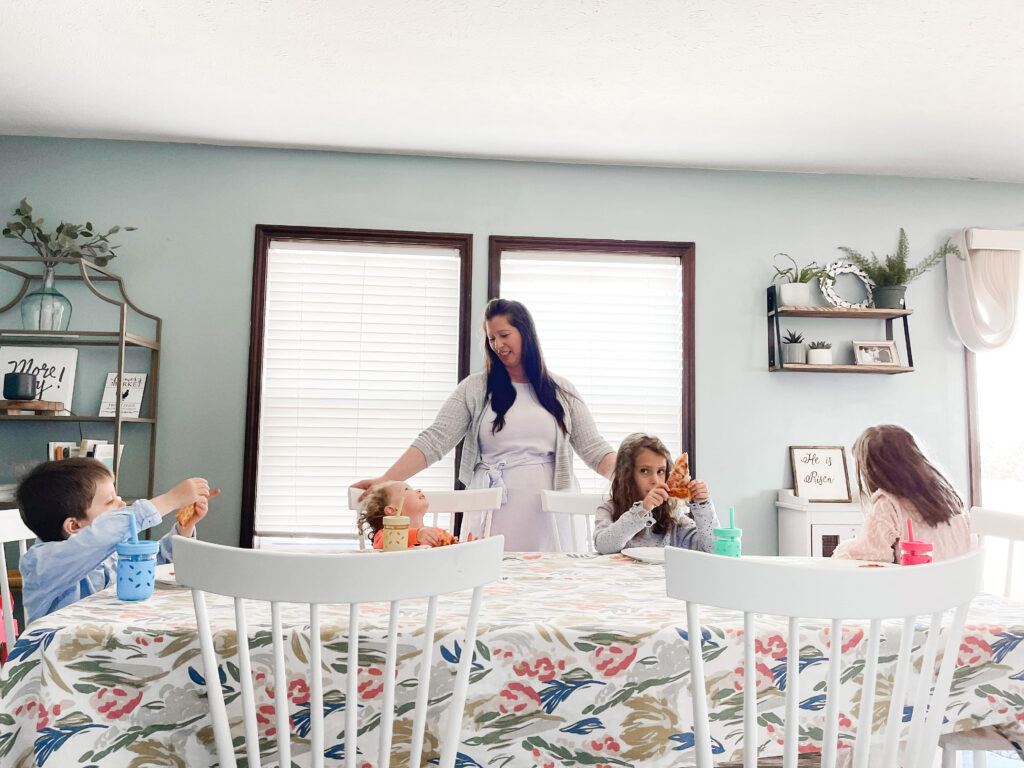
828	285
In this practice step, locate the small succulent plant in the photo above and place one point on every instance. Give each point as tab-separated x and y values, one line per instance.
820	345
792	337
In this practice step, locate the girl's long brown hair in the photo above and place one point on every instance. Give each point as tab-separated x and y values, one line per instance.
624	491
889	459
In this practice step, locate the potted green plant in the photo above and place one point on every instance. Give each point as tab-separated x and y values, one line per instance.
892	275
793	348
795	291
47	309
819	353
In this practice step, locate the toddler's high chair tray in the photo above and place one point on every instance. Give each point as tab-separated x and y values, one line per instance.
646	554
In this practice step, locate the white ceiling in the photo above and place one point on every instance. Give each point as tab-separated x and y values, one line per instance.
931	88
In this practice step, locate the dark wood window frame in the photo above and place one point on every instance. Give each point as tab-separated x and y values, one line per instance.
685	252
265	233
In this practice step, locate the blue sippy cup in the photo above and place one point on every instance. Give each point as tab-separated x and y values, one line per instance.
136	569
727	540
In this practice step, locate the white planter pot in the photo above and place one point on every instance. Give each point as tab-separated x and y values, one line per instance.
794	353
795	294
819	356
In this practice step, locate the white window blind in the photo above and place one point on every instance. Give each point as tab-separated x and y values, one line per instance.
613	325
360	350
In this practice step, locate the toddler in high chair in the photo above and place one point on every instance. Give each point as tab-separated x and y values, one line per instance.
73	509
387	499
641	513
899	483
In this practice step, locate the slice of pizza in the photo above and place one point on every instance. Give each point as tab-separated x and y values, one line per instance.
186	513
679	478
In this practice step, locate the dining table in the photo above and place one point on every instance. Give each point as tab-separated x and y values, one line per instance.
580	659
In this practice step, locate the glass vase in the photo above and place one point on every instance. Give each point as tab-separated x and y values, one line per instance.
46	309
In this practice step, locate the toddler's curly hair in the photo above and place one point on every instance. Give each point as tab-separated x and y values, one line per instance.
371	516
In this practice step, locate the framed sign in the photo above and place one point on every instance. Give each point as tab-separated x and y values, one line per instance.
819	472
54	368
130	395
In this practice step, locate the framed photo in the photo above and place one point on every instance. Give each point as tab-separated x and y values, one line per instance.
819	472
876	352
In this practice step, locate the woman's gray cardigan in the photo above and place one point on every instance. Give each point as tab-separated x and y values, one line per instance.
462	415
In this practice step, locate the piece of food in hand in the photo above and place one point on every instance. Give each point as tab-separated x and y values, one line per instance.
186	513
679	478
446	540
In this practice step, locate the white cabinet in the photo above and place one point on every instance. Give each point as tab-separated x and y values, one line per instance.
814	528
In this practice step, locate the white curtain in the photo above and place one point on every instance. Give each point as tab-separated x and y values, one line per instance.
984	285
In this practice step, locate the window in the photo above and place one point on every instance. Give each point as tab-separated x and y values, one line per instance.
616	319
357	339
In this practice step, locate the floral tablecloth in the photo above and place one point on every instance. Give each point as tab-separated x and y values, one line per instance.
580	660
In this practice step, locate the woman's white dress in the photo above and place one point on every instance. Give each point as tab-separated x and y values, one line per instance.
520	459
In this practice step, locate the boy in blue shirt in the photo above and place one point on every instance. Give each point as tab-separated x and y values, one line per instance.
74	510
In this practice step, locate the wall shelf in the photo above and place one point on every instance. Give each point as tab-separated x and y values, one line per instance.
774	312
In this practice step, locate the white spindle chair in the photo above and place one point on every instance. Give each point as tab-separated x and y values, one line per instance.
769	586
469	502
578	507
345	578
988	524
11	529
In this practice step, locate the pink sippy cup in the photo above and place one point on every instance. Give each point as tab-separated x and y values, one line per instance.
914	552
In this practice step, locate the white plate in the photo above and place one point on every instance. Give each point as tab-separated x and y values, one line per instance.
646	554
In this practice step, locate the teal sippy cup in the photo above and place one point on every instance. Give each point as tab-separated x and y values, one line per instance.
727	540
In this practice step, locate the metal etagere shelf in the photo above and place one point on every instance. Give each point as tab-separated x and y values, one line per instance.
30	268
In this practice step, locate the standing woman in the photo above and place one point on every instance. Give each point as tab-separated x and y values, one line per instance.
521	425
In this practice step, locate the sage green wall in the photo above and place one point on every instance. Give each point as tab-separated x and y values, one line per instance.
191	263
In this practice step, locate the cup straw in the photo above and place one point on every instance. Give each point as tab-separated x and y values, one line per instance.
400	503
910	531
133	527
732	518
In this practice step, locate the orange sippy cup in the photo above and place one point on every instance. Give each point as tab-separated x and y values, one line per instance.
913	552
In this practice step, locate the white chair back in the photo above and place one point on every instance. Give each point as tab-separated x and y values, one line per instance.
444	505
767	586
352	579
996	524
11	529
579	508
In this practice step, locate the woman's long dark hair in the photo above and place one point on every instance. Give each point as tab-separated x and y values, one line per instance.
624	492
499	383
889	459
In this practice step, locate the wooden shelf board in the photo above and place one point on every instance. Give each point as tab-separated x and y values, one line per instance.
102	419
877	314
74	338
808	368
